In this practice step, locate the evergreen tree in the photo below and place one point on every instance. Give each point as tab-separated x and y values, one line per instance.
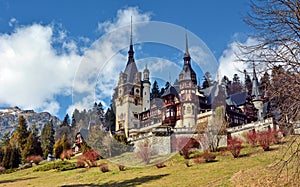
29	147
22	132
236	86
248	82
66	121
48	139
207	80
110	119
265	84
12	157
57	148
155	91
4	141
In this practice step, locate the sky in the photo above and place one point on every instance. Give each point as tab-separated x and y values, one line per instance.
59	55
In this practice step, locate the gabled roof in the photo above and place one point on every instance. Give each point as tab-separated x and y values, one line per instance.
238	99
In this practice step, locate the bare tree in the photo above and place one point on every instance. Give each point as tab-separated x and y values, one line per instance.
277	48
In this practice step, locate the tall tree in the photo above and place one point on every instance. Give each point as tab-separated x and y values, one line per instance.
207	80
248	82
22	132
48	138
155	91
66	121
236	86
4	140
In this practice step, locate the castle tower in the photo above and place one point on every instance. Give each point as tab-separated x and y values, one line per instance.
146	89
128	97
188	87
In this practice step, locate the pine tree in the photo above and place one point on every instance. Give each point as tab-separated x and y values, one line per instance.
155	91
29	147
12	157
4	140
22	132
48	139
207	80
248	82
66	121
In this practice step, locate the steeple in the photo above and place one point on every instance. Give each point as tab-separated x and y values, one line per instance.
255	86
130	52
187	56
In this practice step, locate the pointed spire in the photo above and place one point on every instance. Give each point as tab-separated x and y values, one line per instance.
187	56
130	52
131	30
255	85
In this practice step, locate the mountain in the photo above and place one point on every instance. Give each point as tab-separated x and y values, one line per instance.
9	119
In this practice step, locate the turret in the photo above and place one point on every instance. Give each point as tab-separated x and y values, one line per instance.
146	89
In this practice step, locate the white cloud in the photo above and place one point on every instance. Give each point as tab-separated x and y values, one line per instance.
228	64
32	73
99	70
12	22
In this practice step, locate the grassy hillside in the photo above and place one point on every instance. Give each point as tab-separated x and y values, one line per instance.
253	168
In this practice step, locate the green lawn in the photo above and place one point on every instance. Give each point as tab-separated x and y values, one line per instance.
252	168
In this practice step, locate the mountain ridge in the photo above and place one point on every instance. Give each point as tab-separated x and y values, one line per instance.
9	119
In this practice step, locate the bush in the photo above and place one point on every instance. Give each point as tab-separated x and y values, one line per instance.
234	146
34	159
252	138
275	135
160	165
66	154
198	160
144	151
80	163
60	166
2	169
121	168
265	139
104	167
90	157
184	144
209	156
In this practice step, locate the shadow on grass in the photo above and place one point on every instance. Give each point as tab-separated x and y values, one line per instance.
15	180
129	182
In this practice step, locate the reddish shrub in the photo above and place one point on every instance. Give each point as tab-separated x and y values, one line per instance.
34	159
160	165
234	145
252	138
265	139
209	156
275	135
121	168
184	144
91	155
2	169
198	160
80	163
104	167
66	154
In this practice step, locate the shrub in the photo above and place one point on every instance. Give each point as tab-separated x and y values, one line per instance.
265	139
184	144
104	167
56	165
160	165
2	169
275	136
252	138
209	156
198	160
80	163
234	146
121	168
66	154
187	163
144	151
90	157
34	159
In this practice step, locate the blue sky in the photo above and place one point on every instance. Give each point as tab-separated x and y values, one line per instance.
42	43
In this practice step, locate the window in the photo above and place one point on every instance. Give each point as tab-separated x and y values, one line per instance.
136	102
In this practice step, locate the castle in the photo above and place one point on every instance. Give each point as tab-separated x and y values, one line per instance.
182	106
